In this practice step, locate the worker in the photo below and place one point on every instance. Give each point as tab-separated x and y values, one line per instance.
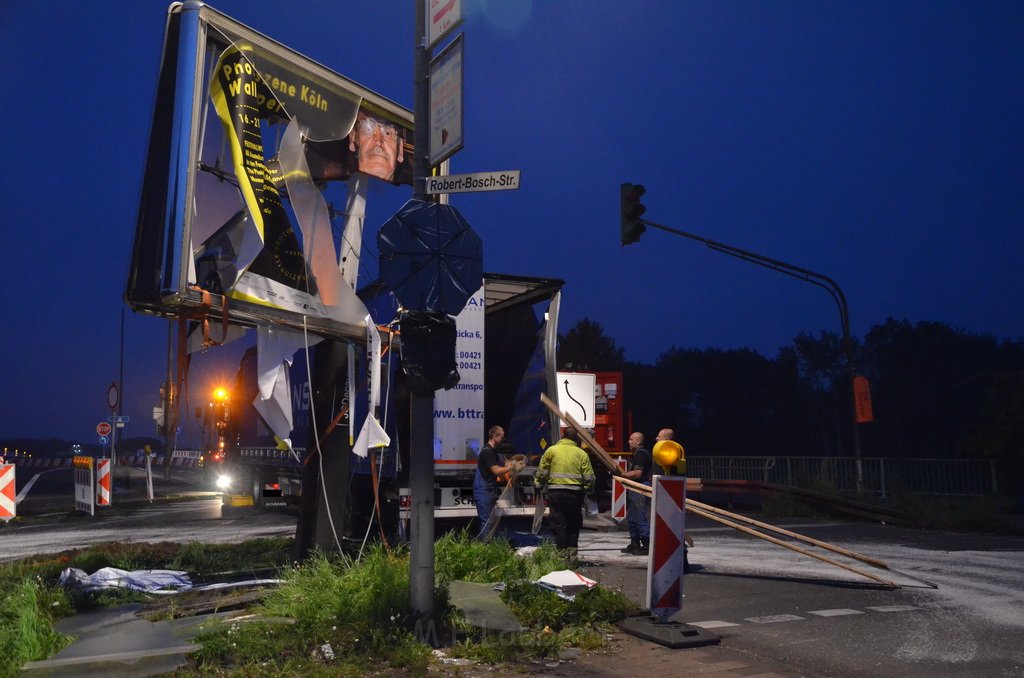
567	476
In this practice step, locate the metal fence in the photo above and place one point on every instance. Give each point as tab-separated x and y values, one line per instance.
882	476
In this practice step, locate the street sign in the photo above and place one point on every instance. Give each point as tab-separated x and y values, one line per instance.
104	440
121	419
103	428
443	16
507	180
446	103
113	396
576	396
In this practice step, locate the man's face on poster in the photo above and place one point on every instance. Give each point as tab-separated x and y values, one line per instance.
378	146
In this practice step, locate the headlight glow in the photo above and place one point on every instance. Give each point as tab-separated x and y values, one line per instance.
223	482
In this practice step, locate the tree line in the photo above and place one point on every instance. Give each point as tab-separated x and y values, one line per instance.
936	391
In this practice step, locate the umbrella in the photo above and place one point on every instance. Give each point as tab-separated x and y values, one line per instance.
430	257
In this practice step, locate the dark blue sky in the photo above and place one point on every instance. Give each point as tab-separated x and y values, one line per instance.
879	143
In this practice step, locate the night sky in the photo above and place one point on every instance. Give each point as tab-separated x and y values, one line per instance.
878	143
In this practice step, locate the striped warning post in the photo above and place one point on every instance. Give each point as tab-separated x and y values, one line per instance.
8	505
665	567
103	482
619	494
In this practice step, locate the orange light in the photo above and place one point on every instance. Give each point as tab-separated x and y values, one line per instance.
220	393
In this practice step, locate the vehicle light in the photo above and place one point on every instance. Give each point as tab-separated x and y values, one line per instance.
223	482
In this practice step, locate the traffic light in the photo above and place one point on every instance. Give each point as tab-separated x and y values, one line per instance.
632	226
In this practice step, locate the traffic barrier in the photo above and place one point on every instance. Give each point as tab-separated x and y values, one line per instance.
619	494
103	482
665	567
8	505
85	496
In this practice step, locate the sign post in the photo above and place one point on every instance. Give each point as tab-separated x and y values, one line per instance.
113	399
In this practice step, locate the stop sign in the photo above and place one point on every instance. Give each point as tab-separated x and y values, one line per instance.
103	428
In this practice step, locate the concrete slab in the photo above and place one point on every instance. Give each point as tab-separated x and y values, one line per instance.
118	642
482	607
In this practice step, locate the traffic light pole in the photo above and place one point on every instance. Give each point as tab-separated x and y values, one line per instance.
822	281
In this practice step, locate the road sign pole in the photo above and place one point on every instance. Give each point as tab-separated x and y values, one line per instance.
421	471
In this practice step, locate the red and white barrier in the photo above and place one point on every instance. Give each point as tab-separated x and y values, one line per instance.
103	482
619	494
665	567
8	504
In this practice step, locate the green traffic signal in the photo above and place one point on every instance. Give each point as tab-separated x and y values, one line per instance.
631	211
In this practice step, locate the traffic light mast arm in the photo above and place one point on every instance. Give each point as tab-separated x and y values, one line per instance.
823	281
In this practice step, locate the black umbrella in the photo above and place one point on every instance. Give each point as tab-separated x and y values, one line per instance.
430	257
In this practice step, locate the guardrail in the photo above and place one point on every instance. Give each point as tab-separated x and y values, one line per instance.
882	475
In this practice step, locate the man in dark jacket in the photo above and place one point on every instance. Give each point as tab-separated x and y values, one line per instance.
638	506
485	483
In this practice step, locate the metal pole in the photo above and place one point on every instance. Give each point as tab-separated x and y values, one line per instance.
421	443
169	396
806	275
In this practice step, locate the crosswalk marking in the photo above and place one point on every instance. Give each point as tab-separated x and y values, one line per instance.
711	624
893	608
777	618
839	612
774	618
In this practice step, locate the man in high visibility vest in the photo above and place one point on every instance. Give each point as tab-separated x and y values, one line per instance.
567	475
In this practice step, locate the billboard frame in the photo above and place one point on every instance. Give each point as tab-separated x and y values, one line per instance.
158	281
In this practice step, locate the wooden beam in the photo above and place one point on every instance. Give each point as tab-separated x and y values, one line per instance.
791	547
719	515
595	449
874	562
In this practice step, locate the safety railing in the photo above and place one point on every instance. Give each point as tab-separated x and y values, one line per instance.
882	475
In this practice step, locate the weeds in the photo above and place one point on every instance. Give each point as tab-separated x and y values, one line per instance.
359	610
459	556
31	598
26	624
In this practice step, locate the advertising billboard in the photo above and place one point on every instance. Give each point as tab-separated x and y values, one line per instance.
257	171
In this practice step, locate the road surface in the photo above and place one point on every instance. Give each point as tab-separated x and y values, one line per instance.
768	604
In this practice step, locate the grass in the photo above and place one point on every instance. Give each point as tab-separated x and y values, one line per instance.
960	514
31	599
26	623
332	615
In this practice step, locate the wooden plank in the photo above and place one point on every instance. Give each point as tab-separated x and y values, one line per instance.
692	485
874	562
791	547
595	449
718	514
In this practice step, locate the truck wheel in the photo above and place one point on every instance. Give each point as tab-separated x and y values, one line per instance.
257	491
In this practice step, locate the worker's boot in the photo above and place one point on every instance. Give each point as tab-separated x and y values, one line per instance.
643	550
634	545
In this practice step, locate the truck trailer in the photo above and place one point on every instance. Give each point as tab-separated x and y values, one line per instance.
505	353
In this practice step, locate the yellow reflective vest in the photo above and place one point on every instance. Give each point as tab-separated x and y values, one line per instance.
565	466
